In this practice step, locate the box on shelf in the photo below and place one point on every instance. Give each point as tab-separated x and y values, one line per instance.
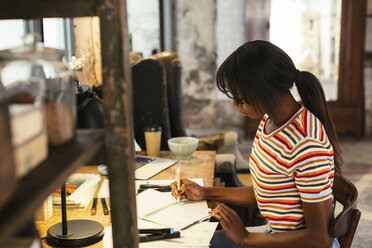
7	172
29	137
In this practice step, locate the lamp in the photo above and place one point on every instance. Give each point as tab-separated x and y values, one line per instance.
73	233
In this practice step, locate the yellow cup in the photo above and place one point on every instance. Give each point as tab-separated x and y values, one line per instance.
153	140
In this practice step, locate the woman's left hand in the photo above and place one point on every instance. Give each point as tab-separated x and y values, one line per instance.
231	223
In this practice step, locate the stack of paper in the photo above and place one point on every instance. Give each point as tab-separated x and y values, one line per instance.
104	191
86	186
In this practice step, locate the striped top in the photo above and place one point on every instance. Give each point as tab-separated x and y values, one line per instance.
291	165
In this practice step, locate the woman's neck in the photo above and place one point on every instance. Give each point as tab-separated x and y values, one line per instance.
285	110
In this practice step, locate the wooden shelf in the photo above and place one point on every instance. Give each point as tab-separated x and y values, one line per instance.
26	9
118	145
44	179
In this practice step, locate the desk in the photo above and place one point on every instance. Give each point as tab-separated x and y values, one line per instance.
200	165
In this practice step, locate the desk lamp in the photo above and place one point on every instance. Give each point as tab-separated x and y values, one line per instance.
73	233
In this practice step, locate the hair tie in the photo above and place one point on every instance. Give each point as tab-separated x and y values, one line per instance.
297	76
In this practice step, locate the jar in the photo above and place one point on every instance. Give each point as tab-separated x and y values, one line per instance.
60	102
23	84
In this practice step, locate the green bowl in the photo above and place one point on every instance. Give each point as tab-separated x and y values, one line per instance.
183	147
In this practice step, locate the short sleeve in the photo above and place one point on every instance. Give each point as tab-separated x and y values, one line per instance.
314	172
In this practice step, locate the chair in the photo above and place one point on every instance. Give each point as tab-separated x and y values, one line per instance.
173	69
150	102
345	224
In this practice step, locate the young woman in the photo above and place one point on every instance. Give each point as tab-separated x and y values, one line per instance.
294	158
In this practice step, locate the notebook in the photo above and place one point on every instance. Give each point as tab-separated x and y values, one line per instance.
147	167
162	208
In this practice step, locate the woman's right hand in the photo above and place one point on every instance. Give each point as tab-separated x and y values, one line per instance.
188	190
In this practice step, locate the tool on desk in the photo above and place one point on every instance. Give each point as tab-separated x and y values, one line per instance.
159	231
93	210
161	188
178	180
152	237
202	219
197	222
104	205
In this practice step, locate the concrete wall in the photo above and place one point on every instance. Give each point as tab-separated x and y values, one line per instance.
207	32
197	43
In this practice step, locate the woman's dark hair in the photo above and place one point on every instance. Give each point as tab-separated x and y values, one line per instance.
258	72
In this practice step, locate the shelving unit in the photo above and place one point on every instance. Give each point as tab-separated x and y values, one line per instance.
116	138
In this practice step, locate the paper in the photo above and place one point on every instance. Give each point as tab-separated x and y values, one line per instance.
199	235
181	215
107	238
86	186
151	201
104	191
84	194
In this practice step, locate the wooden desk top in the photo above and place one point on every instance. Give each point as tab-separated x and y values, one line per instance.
200	165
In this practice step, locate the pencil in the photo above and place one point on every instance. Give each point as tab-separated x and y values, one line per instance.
94	206
178	180
104	205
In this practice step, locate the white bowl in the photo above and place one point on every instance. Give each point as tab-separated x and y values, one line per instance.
183	147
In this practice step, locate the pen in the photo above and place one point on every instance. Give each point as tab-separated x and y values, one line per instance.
202	219
156	231
178	180
196	222
157	189
93	211
161	188
147	238
104	205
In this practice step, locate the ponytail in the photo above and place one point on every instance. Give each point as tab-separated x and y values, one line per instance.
313	98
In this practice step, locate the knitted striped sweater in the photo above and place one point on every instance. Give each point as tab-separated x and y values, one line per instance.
291	165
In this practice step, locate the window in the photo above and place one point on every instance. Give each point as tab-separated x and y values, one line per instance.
309	31
11	32
144	26
55	31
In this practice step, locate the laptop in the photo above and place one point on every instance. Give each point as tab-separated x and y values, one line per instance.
147	167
